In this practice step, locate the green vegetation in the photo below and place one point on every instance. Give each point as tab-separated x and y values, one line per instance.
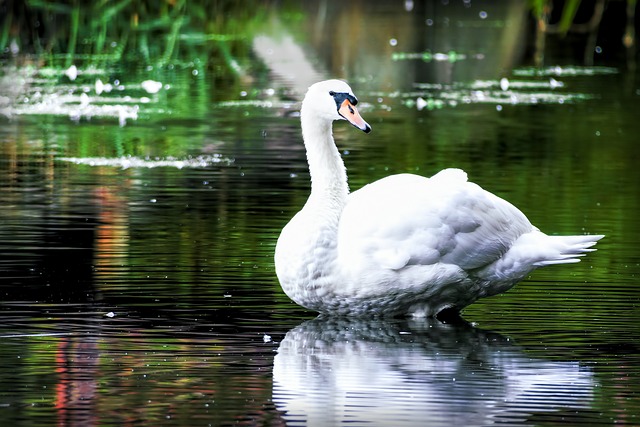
590	25
154	33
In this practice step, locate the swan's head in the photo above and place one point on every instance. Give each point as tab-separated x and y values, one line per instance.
333	100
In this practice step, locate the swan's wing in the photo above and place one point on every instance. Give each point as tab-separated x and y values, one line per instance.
405	220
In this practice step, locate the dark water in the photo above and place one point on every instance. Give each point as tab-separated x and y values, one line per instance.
137	283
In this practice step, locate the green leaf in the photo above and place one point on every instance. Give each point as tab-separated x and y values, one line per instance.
568	14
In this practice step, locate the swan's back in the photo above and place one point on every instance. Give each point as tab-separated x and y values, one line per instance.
406	220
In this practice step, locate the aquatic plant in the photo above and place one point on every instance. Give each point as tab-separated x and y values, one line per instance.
565	21
154	33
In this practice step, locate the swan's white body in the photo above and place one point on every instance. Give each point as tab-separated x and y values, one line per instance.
406	244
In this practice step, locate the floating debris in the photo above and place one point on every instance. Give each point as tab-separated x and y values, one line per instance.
247	103
558	70
428	56
257	103
127	162
421	103
151	86
506	84
102	87
76	107
72	72
455	98
501	92
33	91
512	97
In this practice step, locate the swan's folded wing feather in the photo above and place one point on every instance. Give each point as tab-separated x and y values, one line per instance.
405	220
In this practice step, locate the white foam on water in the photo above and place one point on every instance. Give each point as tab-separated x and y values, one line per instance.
127	162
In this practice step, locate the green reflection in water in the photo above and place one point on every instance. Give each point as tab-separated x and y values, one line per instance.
167	249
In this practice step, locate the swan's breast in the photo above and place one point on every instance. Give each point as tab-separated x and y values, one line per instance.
305	259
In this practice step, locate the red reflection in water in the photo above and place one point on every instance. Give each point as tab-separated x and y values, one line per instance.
76	365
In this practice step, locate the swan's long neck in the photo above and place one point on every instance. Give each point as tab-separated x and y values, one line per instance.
328	175
306	253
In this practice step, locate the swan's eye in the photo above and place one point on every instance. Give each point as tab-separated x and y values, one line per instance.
332	93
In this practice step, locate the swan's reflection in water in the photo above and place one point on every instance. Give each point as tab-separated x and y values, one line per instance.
328	372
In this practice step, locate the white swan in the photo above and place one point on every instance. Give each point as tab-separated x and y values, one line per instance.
406	244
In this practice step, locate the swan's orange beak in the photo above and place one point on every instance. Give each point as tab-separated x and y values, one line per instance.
350	112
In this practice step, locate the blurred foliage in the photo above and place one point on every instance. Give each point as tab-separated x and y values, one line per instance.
156	32
588	19
569	8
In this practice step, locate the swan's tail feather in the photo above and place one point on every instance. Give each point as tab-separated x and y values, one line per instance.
568	249
532	250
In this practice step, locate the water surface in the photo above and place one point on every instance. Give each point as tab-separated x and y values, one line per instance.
137	283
